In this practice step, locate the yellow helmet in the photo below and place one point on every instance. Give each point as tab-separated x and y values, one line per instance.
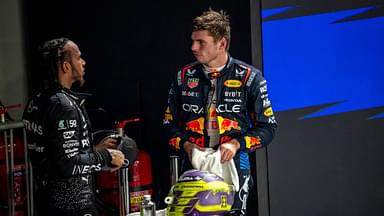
200	193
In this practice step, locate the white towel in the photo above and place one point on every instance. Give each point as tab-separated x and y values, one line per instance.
209	160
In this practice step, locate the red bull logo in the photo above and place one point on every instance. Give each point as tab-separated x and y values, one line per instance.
196	126
252	142
175	142
227	124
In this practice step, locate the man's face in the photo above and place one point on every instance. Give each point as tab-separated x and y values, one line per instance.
204	47
77	63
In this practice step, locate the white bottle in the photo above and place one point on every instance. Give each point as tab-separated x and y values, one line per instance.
147	207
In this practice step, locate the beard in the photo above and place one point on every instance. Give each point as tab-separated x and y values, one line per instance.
77	85
78	79
80	83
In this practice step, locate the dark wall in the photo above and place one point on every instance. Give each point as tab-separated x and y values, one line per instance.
131	48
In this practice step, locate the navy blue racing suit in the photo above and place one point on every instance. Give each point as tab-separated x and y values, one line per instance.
243	109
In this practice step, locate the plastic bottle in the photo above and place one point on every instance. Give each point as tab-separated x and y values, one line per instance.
147	207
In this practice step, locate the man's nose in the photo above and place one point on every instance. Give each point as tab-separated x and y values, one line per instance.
194	46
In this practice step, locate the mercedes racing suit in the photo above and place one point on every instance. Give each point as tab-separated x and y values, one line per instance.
243	112
63	160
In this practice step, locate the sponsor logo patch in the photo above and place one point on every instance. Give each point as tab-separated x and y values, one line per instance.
31	107
252	142
85	169
68	134
190	72
232	93
228	109
232	83
268	112
226	124
167	116
85	142
190	94
263	89
192	108
33	127
175	142
196	126
239	72
193	82
266	102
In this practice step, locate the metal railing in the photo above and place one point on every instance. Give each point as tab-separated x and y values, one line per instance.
8	129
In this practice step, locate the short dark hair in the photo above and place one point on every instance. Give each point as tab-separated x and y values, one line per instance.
52	52
216	23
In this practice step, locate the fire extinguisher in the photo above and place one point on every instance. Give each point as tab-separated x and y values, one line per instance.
132	186
140	174
140	180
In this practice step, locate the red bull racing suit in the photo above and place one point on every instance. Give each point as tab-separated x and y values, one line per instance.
59	142
243	110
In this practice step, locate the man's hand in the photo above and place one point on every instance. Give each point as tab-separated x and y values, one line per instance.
228	150
106	143
117	159
188	147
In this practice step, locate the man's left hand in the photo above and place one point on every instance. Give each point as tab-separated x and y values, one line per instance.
228	150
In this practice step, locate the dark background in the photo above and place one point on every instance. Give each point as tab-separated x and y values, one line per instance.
132	48
323	165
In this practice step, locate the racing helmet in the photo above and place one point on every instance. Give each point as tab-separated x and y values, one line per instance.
199	193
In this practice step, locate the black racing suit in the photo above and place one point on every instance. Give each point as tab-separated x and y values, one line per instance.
63	160
243	109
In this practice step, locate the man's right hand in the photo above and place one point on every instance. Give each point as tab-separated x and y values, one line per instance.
106	143
117	159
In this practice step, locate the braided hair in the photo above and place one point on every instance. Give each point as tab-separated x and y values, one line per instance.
52	52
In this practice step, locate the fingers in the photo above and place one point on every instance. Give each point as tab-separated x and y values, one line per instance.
106	143
188	147
226	155
227	151
117	159
198	147
110	143
114	169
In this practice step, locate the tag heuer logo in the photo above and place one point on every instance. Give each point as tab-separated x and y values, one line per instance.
193	82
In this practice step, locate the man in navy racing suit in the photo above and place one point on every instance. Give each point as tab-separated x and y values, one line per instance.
59	137
219	102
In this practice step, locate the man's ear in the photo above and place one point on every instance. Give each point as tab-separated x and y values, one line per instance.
66	66
223	43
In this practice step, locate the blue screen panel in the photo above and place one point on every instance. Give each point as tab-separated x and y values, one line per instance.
315	60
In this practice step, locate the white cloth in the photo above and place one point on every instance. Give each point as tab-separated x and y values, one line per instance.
209	160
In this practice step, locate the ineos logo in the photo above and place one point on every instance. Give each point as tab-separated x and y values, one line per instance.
85	169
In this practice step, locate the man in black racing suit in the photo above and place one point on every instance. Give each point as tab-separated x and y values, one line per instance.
59	137
219	102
